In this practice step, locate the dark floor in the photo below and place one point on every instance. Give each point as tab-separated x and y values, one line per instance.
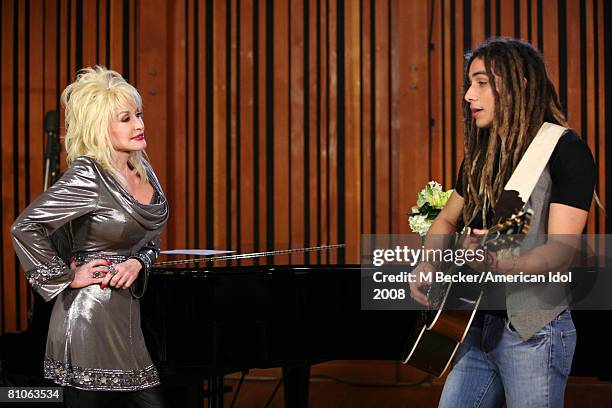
398	386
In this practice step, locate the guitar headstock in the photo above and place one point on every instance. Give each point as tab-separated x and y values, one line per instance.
506	233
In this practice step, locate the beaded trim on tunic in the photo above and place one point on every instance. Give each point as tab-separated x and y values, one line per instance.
96	379
46	271
81	258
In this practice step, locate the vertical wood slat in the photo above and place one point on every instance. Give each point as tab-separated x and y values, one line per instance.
573	68
368	196
436	100
591	74
457	153
89	33
507	21
352	130
413	52
281	129
332	130
262	158
102	32
176	229
397	210
20	145
201	130
324	201
247	181
154	88
296	125
534	22
191	134
220	89
36	118
448	95
478	21
524	20
600	156
71	40
495	24
133	44
9	321
233	114
311	135
152	85
550	44
63	56
380	121
50	59
116	35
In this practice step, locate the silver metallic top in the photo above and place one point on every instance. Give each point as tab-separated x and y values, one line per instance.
95	341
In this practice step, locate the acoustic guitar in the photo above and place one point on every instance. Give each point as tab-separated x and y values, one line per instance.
441	328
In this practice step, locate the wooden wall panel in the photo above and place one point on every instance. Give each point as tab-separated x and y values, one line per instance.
279	124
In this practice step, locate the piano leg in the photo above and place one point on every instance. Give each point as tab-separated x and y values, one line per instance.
296	379
214	392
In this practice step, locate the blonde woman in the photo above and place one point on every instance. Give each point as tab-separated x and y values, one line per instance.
116	210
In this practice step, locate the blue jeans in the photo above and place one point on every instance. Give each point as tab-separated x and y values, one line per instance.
494	365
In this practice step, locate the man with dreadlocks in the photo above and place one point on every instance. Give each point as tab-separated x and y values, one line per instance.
521	355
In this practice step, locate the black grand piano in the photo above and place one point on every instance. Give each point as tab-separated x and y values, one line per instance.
265	316
203	322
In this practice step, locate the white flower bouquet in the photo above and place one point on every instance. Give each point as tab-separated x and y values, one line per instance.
430	202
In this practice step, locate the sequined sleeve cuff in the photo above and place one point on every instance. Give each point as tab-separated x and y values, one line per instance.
50	278
146	257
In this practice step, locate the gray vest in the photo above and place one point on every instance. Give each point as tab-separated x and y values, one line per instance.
532	306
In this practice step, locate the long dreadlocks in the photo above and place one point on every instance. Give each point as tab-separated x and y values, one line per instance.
525	99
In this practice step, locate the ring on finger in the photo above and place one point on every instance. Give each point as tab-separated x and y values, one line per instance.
112	270
96	274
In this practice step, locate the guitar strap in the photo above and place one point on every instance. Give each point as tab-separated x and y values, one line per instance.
527	173
529	169
521	185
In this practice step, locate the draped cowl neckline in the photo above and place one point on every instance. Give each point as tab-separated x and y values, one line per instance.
150	216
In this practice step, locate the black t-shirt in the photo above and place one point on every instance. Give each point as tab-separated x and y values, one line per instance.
572	170
573	173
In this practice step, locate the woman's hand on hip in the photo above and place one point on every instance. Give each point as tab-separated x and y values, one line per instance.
90	273
122	275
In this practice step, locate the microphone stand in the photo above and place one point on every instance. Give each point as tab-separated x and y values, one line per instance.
51	160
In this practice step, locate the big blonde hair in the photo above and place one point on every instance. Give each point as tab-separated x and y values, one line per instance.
91	102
